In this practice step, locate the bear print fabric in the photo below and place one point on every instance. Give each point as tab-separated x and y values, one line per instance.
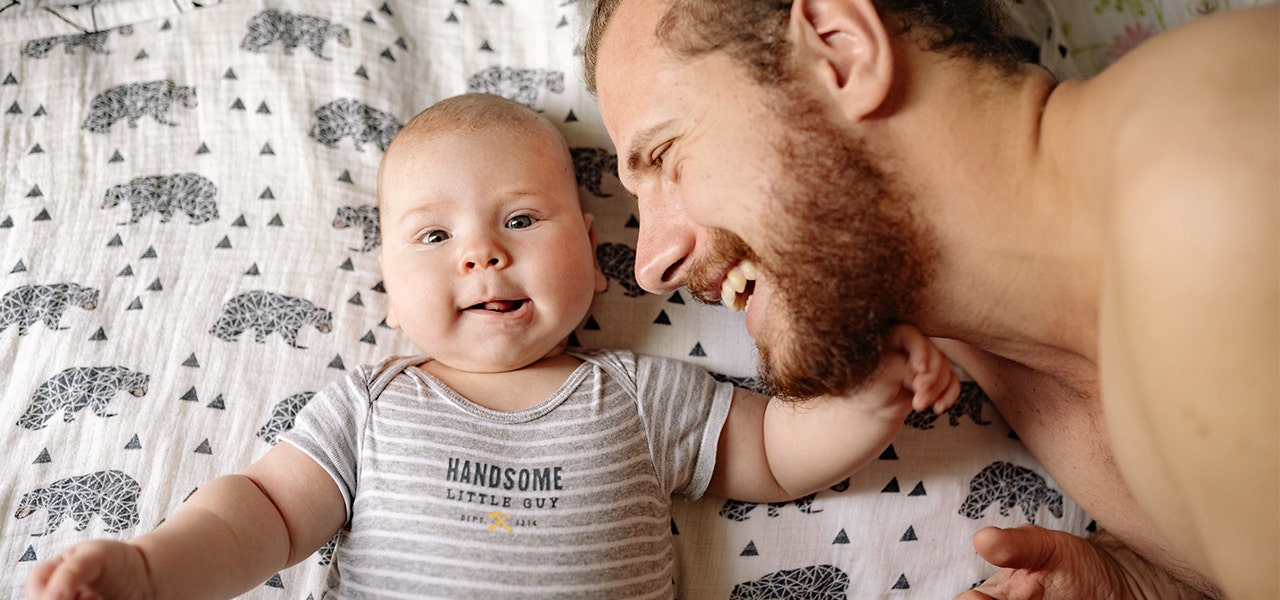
189	251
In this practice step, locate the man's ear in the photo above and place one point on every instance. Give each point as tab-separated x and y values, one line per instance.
844	45
391	319
601	283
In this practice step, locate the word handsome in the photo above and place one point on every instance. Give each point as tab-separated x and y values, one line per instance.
480	474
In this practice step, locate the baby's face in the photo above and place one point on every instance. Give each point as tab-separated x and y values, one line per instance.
487	257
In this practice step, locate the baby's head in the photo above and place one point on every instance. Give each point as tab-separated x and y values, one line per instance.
487	258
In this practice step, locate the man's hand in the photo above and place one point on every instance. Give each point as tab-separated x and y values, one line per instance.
1044	564
96	569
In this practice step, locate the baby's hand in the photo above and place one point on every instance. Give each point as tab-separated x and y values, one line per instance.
96	569
928	375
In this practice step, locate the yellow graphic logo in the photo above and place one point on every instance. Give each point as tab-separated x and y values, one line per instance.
499	520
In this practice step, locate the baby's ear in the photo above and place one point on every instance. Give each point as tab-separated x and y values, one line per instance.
601	283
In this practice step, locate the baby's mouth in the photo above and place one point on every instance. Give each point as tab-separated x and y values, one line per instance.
498	306
738	284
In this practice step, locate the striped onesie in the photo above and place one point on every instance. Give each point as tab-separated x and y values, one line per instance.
568	499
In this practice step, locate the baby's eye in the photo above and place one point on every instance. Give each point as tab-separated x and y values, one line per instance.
519	222
435	236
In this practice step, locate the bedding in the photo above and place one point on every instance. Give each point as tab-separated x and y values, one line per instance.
188	251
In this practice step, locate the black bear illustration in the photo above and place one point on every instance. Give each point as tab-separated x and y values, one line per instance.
189	193
817	582
110	495
968	404
346	117
94	41
78	387
132	101
282	416
74	389
1009	485
519	85
590	165
30	303
366	218
737	510
293	30
266	313
618	261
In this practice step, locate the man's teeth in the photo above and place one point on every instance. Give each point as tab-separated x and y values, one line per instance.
733	292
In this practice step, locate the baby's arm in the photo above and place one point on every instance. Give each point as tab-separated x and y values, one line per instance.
772	450
231	535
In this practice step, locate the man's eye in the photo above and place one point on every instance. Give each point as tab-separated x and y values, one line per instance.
658	153
435	237
519	222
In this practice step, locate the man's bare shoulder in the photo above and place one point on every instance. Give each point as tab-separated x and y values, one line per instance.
1230	42
1190	305
1194	159
1186	96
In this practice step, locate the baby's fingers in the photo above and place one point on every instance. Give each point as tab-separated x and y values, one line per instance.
938	389
95	569
71	578
949	394
38	580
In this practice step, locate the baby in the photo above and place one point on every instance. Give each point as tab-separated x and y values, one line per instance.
500	463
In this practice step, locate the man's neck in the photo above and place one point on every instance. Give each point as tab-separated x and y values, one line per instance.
1002	186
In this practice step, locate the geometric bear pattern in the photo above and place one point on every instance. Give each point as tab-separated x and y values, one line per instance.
817	582
94	41
737	510
189	193
618	261
1009	485
364	217
132	101
516	84
30	303
266	313
345	117
292	30
110	495
282	416
591	165
75	388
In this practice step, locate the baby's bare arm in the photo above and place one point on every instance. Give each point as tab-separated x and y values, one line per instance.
231	535
772	450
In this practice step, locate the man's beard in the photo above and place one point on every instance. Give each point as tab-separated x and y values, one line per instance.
845	258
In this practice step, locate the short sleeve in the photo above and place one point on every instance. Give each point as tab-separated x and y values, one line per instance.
683	408
329	429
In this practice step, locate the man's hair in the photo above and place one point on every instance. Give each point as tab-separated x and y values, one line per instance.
754	32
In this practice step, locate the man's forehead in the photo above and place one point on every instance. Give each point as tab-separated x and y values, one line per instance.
631	29
629	62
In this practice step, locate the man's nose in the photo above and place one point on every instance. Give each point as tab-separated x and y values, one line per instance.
666	244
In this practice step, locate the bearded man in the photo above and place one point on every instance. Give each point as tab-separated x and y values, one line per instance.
1102	256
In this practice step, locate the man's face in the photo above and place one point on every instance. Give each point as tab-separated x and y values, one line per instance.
738	182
